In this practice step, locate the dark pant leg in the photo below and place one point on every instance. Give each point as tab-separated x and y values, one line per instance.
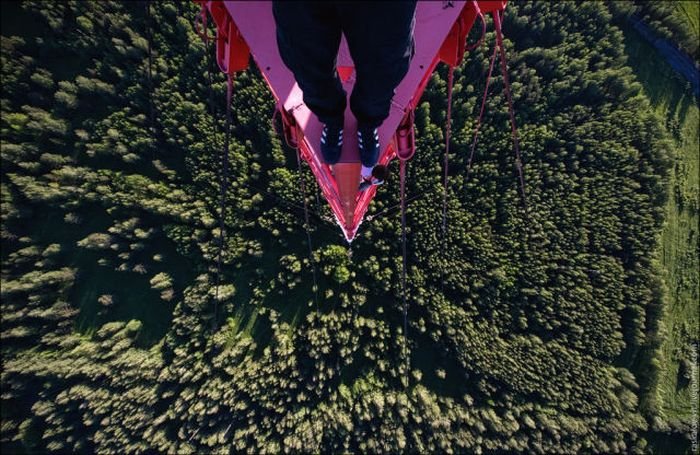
380	38
308	37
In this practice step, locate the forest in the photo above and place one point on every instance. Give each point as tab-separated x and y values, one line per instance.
542	328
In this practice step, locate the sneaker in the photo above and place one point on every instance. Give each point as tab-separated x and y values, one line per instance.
366	183
368	143
331	143
379	174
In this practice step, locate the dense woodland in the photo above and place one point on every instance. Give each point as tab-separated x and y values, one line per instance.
529	329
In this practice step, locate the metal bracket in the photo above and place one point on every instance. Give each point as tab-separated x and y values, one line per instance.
232	52
405	137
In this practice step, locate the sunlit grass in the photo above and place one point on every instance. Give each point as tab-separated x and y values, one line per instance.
690	11
674	102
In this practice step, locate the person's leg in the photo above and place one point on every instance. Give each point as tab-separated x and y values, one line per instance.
380	40
308	37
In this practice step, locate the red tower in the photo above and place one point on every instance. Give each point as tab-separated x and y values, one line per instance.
248	28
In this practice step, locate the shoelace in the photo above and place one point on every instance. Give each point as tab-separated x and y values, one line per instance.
325	133
374	135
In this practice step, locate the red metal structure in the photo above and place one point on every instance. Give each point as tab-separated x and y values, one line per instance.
247	28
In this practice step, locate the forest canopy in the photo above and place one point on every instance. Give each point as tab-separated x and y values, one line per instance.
528	331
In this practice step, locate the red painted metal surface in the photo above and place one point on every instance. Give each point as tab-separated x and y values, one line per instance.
248	28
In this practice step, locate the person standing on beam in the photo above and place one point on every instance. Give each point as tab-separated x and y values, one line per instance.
381	43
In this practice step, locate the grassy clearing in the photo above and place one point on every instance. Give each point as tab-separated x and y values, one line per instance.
690	11
673	101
